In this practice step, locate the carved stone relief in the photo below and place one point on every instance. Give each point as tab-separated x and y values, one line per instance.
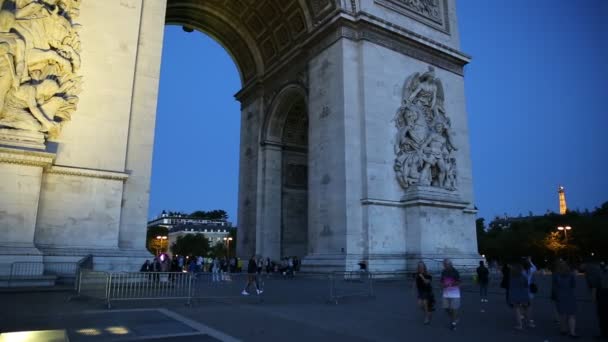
39	61
424	144
430	12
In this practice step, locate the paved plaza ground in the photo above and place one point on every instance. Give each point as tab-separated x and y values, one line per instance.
290	310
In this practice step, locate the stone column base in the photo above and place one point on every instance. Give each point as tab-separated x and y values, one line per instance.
104	259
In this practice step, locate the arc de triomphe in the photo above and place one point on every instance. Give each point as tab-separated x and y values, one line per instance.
354	138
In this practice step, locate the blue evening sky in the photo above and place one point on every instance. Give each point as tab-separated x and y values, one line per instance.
536	97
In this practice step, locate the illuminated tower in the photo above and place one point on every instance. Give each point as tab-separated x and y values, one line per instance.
562	200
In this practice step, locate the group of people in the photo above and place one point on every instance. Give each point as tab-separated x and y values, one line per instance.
520	287
450	284
287	266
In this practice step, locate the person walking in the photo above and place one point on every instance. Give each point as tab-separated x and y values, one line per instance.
252	270
215	270
506	278
518	292
426	300
564	283
600	296
483	278
450	281
529	271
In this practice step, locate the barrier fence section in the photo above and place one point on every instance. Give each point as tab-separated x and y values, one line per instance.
149	285
93	284
350	284
22	270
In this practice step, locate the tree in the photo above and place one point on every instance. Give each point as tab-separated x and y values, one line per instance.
152	244
217	214
554	243
191	244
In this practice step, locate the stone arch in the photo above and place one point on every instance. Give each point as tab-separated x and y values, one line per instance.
255	33
280	105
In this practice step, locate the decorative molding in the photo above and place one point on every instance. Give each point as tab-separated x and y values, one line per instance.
433	13
416	202
25	157
87	173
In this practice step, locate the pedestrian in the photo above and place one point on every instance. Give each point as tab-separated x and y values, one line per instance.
199	264
146	267
529	271
564	283
450	281
519	297
215	270
426	300
601	299
506	278
483	278
252	270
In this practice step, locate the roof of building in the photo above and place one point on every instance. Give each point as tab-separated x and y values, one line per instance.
199	228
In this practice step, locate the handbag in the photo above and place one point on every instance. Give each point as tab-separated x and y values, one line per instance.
533	288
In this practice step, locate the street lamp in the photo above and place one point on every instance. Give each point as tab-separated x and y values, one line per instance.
565	229
227	242
161	240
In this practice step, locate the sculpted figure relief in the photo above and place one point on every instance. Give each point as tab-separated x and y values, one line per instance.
424	145
39	61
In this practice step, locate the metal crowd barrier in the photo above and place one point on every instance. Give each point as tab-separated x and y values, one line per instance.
125	286
149	285
350	284
24	270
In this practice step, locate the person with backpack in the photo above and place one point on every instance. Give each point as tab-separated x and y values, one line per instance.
483	278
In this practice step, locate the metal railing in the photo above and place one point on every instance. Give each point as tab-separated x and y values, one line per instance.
127	286
24	270
145	286
350	284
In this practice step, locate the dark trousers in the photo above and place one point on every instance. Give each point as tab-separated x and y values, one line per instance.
483	290
602	311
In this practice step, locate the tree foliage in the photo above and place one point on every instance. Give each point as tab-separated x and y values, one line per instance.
537	236
152	244
191	244
217	214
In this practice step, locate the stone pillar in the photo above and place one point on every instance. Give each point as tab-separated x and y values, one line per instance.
268	232
249	213
20	180
328	198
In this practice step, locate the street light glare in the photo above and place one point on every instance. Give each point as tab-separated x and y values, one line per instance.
560	228
568	227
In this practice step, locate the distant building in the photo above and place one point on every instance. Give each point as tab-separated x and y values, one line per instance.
505	222
171	221
214	233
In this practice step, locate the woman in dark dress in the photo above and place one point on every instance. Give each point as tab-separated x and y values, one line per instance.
426	299
564	283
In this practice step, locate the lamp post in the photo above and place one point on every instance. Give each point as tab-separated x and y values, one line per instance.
161	240
565	229
227	242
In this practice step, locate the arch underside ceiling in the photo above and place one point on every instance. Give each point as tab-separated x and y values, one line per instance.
255	32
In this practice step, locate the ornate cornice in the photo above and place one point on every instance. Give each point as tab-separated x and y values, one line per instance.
25	157
87	173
